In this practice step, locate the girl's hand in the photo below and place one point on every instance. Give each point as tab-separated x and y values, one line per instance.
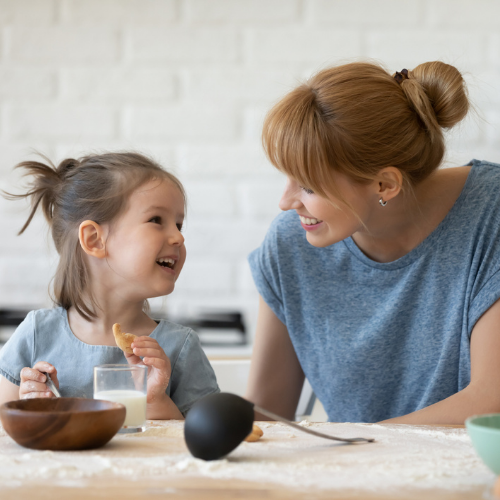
159	368
33	381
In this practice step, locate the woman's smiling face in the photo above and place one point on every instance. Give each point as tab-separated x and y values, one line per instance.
330	221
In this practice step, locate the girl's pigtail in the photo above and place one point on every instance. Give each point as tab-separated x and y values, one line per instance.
44	188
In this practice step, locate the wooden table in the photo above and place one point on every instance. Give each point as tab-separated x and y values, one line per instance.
285	464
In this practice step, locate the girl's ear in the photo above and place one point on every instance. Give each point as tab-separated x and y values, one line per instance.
92	239
390	182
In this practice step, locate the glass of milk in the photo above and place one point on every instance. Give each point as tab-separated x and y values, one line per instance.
125	384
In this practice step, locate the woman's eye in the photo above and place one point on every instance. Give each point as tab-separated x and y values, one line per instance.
307	190
156	220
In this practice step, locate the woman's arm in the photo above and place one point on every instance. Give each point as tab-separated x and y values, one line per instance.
276	377
482	395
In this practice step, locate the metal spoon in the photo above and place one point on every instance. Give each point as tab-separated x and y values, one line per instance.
51	385
310	431
218	423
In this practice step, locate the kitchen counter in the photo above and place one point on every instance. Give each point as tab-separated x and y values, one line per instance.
405	462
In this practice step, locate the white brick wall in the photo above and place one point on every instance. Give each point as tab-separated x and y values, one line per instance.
61	45
148	85
119	12
189	82
27	12
182	45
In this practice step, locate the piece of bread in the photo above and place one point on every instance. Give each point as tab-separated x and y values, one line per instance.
123	340
255	435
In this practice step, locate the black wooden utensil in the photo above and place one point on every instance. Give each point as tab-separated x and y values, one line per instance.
218	423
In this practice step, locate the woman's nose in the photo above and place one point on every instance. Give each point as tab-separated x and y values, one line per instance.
290	198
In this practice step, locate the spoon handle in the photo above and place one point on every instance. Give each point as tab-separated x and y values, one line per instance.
51	385
310	431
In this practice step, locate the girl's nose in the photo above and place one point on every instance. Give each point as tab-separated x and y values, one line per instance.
176	237
290	199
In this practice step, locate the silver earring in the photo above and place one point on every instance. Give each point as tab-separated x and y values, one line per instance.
382	202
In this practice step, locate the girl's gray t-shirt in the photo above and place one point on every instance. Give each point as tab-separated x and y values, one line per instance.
380	340
45	335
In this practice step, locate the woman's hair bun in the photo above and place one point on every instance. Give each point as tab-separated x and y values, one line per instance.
446	90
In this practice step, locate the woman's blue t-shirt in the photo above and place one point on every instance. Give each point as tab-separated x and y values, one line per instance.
380	340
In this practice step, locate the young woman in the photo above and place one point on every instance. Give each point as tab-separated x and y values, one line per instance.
380	281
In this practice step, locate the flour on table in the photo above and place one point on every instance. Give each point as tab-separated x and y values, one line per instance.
158	431
401	457
305	423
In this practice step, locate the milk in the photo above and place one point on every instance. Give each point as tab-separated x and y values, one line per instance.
134	402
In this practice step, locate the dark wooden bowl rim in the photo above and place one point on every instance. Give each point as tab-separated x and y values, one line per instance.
43	405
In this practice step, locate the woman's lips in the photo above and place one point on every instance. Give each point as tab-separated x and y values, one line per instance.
309	223
311	227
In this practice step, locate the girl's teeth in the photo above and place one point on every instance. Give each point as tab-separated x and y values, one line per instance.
309	222
168	262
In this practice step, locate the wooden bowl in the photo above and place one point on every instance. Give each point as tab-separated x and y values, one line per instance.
62	423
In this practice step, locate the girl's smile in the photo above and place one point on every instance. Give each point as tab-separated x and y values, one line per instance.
168	263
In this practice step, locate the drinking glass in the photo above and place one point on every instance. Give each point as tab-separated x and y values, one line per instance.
125	384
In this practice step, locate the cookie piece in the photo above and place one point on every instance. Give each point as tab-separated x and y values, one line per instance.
123	340
255	435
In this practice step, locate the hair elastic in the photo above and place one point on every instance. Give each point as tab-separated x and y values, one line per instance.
399	77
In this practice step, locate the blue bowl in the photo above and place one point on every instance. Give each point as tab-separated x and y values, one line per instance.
484	431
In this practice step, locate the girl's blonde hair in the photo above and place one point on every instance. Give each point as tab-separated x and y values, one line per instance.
94	187
357	119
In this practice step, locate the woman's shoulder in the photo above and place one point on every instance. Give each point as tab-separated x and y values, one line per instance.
483	189
286	229
486	174
285	223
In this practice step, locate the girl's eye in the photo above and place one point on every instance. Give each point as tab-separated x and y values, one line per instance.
307	190
156	219
179	226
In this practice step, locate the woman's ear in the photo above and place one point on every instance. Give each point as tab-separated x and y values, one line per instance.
92	239
390	183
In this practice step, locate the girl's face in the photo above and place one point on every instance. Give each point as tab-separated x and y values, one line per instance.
325	222
145	247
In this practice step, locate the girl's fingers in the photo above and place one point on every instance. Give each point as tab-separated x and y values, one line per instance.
32	386
145	338
31	395
158	363
43	366
149	352
132	359
144	342
32	374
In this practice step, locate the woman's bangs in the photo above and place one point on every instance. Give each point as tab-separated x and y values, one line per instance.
291	142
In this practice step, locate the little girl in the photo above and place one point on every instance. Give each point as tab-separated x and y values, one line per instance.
116	221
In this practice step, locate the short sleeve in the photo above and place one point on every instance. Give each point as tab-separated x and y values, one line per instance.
192	375
485	298
17	353
264	266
